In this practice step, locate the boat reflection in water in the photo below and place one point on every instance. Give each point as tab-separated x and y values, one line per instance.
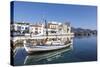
45	57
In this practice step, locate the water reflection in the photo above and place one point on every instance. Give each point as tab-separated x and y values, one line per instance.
47	56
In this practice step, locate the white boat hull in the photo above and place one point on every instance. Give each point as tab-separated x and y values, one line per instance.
44	48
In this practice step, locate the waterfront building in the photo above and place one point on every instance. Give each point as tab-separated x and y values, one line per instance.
66	28
53	25
58	28
52	28
36	29
21	27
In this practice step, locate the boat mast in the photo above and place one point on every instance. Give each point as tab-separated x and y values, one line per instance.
46	26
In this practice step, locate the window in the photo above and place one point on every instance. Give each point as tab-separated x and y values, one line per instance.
67	29
26	28
22	27
19	27
36	28
36	32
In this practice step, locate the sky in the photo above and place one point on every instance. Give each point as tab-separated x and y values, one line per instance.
78	15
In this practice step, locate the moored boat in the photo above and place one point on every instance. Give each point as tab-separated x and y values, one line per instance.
49	46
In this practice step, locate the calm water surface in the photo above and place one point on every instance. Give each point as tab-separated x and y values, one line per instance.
84	49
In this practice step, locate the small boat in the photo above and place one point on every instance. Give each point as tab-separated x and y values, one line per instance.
49	46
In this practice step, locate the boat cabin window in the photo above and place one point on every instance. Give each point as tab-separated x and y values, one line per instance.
53	31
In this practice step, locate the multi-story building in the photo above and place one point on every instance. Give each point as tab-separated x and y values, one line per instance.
52	28
66	28
53	25
21	28
58	28
36	29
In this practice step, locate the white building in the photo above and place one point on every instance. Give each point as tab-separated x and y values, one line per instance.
36	29
58	28
21	27
53	28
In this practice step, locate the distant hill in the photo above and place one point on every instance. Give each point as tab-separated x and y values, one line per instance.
83	32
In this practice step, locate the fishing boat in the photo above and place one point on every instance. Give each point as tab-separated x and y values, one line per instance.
45	47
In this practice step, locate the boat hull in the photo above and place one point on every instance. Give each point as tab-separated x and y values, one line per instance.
44	48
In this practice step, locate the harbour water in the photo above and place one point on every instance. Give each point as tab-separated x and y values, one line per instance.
84	49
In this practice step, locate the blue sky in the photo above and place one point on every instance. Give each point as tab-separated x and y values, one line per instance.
78	15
